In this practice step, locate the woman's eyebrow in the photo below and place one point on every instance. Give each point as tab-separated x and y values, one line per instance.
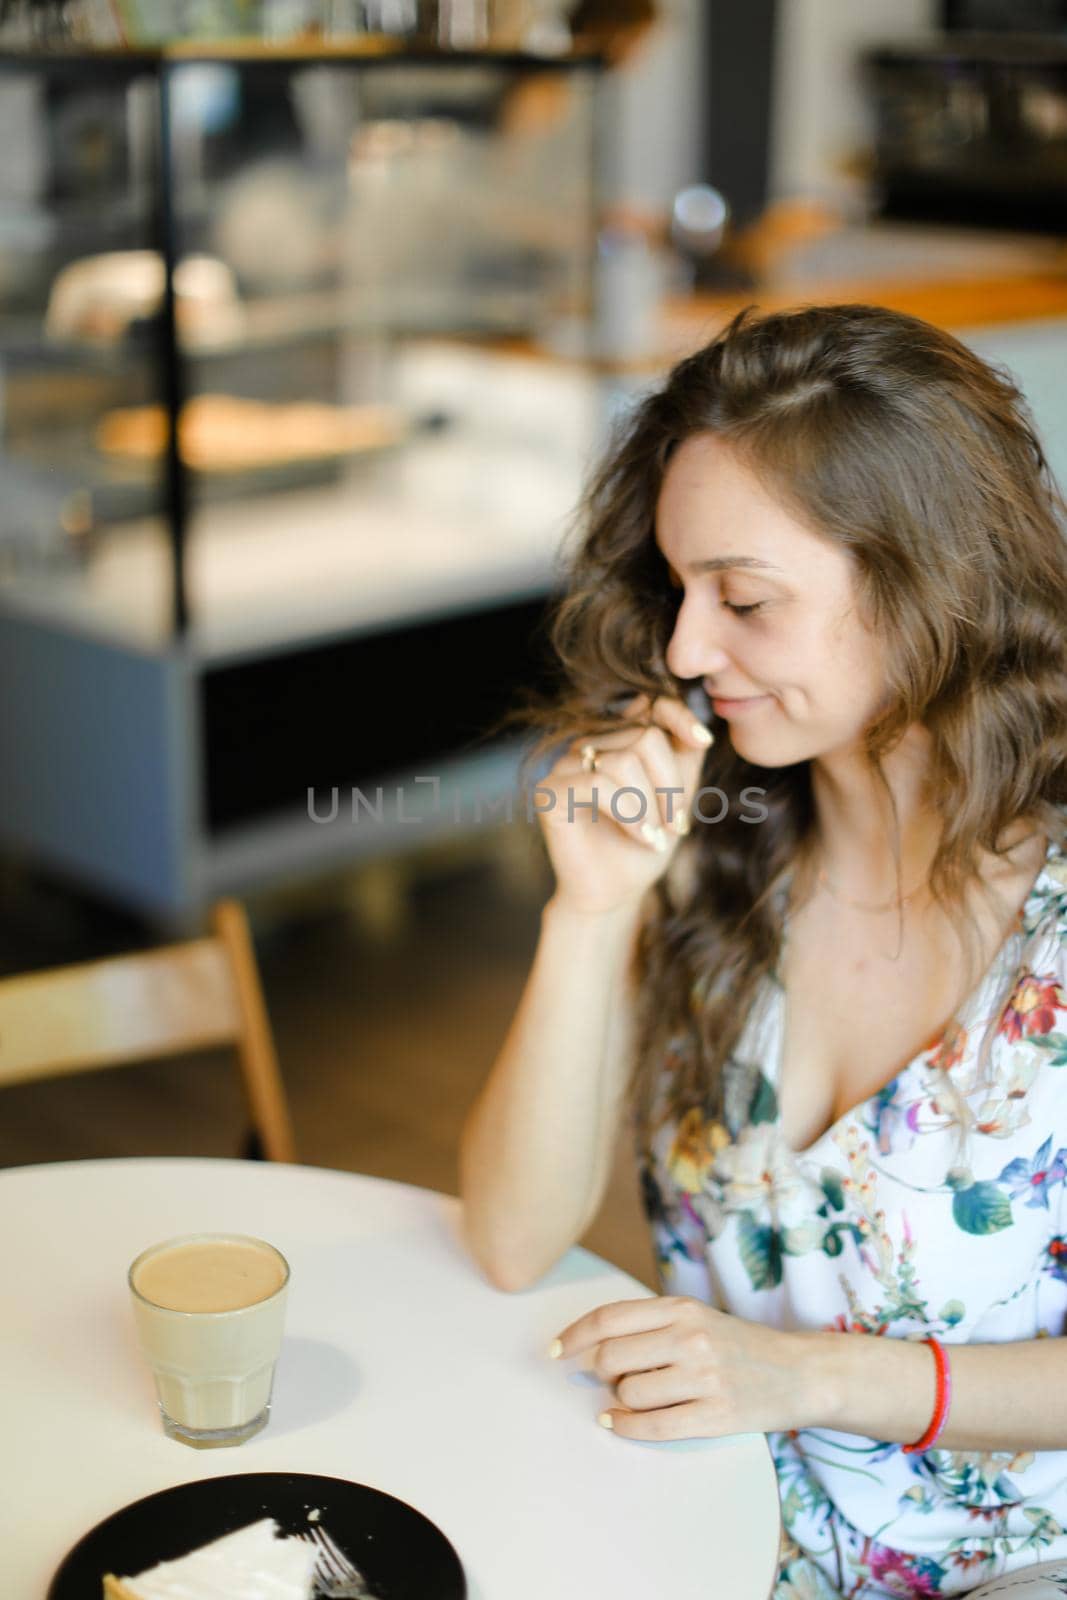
720	563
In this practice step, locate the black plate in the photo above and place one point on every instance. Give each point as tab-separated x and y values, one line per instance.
400	1553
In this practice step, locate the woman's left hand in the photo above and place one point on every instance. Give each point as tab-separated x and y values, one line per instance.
683	1370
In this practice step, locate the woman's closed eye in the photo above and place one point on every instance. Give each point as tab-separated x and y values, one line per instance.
677	586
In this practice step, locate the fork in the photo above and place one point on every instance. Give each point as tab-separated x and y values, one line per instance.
334	1576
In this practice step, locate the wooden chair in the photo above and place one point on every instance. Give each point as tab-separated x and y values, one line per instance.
194	995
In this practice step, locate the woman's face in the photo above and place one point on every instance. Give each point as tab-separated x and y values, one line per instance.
768	613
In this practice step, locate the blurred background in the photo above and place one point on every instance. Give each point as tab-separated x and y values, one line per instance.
314	316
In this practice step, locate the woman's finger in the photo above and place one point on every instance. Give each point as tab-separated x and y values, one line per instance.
617	1319
626	799
601	798
650	768
670	713
695	1419
674	772
636	1352
669	745
676	717
652	1391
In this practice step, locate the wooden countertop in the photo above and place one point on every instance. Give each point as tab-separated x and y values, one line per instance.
949	303
801	253
688	321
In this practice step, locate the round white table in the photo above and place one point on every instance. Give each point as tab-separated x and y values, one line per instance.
401	1368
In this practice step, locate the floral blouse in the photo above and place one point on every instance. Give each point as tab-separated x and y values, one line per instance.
936	1207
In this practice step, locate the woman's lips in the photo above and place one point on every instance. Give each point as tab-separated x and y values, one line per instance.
738	707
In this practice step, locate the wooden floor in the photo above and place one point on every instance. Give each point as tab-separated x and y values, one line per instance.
389	996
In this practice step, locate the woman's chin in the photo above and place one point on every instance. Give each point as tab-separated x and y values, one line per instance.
761	745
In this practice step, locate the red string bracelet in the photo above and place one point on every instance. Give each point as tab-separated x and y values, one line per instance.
941	1402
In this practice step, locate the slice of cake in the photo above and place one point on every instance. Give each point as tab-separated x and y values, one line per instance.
252	1563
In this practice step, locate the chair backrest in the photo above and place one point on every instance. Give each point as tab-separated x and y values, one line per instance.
188	996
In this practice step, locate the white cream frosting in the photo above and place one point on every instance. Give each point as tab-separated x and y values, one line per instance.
252	1563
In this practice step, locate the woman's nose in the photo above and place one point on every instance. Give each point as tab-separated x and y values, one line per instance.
693	651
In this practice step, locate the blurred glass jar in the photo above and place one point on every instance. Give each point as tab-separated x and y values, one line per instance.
399	18
456	24
40	24
538	26
632	275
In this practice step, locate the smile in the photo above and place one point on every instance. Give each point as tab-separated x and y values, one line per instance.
738	708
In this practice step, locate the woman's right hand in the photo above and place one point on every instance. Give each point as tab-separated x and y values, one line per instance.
606	863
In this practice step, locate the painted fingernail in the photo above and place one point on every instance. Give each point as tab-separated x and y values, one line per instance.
555	1350
702	735
606	1420
682	823
654	836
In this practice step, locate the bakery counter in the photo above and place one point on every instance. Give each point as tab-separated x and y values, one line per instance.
362	633
464	514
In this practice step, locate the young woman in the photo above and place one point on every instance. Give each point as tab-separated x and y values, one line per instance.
817	951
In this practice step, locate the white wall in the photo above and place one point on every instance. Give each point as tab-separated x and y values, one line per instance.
652	128
820	117
653	117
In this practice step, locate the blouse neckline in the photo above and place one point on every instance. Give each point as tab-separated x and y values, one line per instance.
1025	926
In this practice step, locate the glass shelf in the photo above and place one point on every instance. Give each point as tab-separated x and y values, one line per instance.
308	222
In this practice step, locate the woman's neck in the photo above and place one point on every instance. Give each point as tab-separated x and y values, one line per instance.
855	826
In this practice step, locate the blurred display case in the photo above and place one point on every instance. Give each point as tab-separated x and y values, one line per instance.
285	474
971	127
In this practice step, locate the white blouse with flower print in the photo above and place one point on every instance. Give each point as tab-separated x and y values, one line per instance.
938	1208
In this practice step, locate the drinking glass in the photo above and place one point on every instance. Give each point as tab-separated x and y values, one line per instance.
213	1368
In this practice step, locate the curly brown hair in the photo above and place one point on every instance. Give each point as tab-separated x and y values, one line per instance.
921	461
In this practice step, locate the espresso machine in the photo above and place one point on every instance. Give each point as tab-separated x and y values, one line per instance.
970	124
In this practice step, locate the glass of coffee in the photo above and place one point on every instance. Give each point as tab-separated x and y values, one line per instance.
209	1309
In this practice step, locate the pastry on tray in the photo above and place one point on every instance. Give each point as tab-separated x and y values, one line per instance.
224	433
98	297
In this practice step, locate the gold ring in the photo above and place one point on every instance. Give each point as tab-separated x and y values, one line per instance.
589	753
